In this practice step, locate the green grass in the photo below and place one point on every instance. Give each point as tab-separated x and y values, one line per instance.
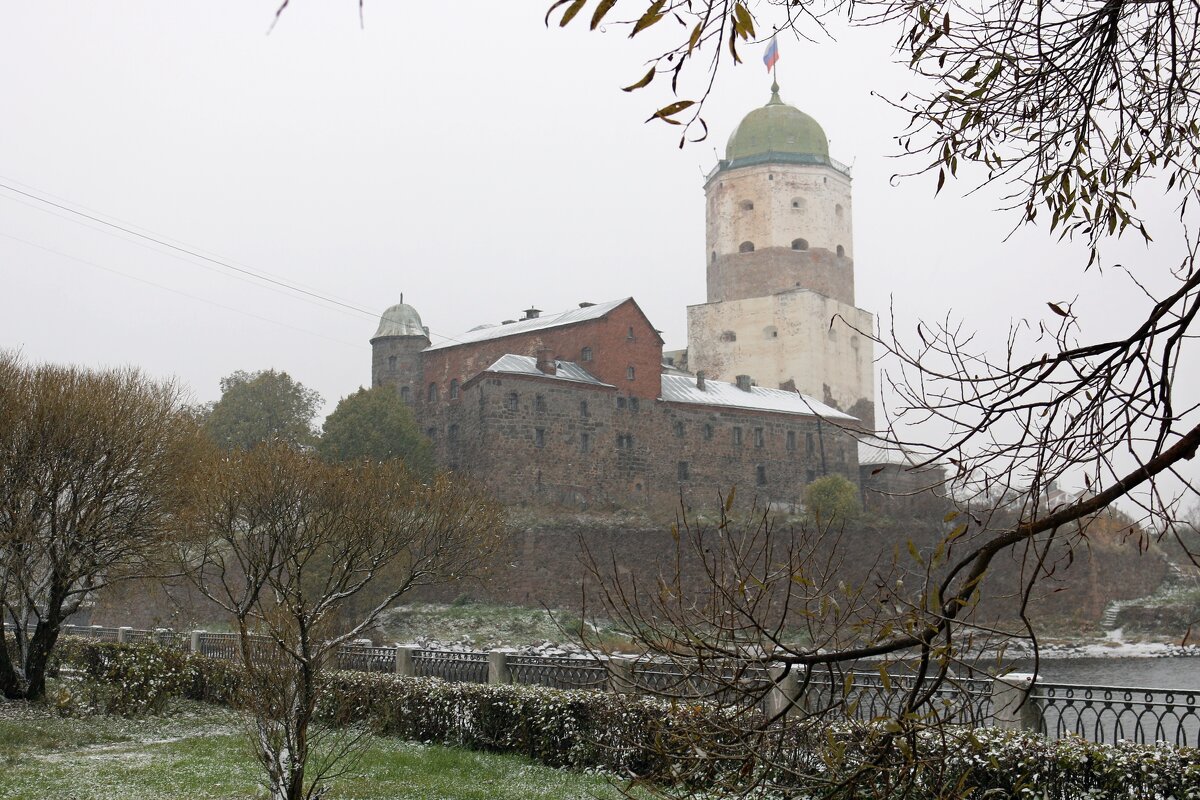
198	752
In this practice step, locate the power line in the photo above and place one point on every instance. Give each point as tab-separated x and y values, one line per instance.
158	239
187	251
173	290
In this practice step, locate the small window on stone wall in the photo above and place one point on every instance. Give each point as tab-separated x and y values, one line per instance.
809	443
621	402
791	440
629	335
714	256
799	203
760	475
512	402
737	435
728	336
629	372
841	251
633	404
431	395
708	431
452	433
838	210
405	394
585	443
583	409
746	205
812	475
770	332
679	429
799	244
758	437
585	354
539	402
746	247
454	389
539	437
682	470
392	363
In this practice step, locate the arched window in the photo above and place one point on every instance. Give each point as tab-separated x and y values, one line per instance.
799	244
454	389
431	395
746	205
746	247
841	251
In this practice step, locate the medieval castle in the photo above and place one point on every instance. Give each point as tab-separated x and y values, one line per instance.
583	408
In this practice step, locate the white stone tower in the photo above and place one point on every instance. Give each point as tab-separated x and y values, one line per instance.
780	266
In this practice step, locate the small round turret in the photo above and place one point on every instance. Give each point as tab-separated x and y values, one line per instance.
396	350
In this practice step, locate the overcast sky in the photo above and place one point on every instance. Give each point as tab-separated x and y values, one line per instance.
476	161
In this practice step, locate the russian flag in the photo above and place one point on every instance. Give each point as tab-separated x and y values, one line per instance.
772	54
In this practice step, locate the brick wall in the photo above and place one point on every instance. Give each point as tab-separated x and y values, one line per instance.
542	441
768	270
614	350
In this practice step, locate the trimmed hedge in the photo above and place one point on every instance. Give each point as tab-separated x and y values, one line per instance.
639	736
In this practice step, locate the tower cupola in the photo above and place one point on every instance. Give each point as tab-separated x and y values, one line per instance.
777	132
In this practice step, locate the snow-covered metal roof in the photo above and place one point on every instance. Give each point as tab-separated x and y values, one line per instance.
511	364
872	450
683	389
483	333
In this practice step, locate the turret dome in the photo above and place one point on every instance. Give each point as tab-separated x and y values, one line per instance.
400	320
778	130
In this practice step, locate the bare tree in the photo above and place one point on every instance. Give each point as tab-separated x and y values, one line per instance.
1065	106
87	464
303	556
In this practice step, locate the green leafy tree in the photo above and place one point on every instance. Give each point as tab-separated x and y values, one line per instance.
264	406
375	425
831	500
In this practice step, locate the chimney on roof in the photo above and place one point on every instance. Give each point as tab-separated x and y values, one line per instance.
700	379
586	304
545	362
743	382
531	313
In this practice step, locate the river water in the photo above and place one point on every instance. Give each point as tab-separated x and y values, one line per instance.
1151	673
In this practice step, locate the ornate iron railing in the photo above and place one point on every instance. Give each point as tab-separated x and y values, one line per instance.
866	696
1113	713
363	658
558	672
451	665
1098	713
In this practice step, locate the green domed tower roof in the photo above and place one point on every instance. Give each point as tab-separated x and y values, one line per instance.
778	129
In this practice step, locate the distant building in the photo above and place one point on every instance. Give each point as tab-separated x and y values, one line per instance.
583	408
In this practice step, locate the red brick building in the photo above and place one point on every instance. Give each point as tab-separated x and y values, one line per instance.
576	408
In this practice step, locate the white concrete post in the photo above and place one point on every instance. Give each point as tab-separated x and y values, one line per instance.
194	644
620	676
1011	708
123	634
498	667
784	694
404	662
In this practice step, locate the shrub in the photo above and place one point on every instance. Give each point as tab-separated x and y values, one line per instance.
661	740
